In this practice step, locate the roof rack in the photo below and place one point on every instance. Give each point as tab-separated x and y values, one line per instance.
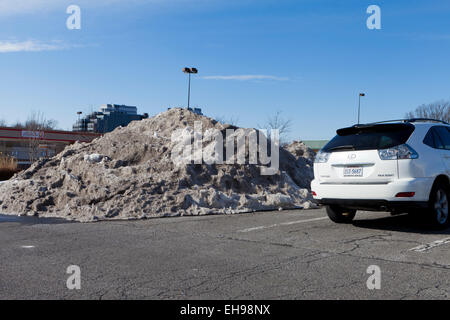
426	120
406	120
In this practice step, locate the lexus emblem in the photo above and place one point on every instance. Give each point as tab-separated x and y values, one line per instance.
352	156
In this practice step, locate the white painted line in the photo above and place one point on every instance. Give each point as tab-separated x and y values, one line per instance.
431	245
281	224
27	247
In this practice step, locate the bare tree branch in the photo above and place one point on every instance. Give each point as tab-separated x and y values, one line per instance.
277	121
230	120
36	124
439	110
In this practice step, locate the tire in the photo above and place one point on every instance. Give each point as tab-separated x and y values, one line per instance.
340	215
438	208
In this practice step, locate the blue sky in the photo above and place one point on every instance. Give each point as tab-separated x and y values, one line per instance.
306	58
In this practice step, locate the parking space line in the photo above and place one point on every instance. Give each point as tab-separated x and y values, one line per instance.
431	245
281	224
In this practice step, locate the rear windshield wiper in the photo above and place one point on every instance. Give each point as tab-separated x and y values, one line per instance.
345	147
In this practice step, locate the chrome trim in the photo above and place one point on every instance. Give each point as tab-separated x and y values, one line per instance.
353	164
356	183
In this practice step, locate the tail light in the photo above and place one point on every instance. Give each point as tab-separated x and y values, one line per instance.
321	157
403	151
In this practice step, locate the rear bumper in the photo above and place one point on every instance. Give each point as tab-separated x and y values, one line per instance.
375	192
375	204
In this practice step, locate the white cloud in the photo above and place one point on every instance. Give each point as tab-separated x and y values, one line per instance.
246	77
31	46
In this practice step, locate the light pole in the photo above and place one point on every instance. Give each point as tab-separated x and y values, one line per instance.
78	124
190	71
359	105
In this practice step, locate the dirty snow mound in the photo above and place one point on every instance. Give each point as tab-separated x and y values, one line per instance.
129	174
303	173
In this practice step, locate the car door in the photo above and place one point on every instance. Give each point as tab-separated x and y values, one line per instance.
442	134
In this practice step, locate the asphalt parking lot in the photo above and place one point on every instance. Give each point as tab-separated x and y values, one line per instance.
271	255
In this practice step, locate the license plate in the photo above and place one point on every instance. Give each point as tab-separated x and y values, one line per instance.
353	172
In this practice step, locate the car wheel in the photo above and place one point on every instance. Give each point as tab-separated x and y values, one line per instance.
438	214
340	215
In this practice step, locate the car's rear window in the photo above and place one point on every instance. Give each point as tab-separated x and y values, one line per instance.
370	137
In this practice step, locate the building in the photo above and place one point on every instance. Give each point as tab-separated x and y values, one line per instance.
27	146
108	118
315	145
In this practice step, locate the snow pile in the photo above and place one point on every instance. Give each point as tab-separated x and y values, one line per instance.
303	174
130	174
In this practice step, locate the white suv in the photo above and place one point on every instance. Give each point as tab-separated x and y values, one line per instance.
398	166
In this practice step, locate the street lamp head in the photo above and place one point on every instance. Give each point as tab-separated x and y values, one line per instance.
190	70
362	94
79	112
